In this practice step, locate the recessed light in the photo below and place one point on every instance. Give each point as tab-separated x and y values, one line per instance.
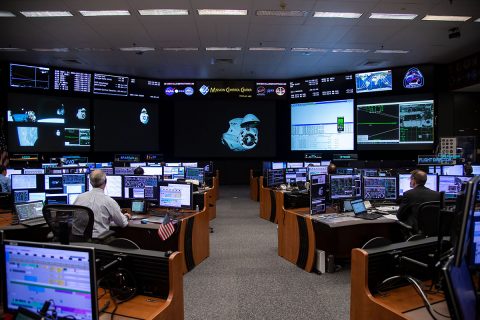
393	16
266	49
93	49
351	50
163	12
51	49
223	48
345	15
221	12
102	13
180	49
446	18
391	51
478	20
46	14
309	50
281	13
137	49
6	14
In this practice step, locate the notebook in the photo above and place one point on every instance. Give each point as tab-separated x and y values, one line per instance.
30	213
360	211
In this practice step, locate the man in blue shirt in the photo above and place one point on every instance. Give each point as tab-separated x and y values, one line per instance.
4	180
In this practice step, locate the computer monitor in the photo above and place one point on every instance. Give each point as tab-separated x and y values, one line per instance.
380	188
74	183
140	187
124	170
294	165
294	175
138	164
28	210
49	165
108	170
435	169
53	182
33	273
173	173
33	171
451	185
345	186
316	170
274	177
176	195
404	182
56	198
13	171
279	165
456	170
153	171
345	171
318	193
369	172
173	164
476	170
138	206
113	188
316	164
25	181
103	164
190	164
325	162
195	174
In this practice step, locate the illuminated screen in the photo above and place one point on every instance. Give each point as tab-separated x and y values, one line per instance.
380	188
176	195
294	175
113	188
39	123
404	183
456	170
345	186
325	125
24	76
395	125
451	185
140	187
35	273
225	128
126	126
373	81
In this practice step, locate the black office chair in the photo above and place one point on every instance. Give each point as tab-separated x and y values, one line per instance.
376	242
69	223
428	217
6	201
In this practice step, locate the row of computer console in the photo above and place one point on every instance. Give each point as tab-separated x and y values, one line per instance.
64	188
52	281
343	186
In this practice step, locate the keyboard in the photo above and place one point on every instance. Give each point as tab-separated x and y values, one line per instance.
369	216
33	222
387	208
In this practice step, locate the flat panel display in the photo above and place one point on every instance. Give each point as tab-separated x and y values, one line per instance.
374	81
404	182
211	129
144	88
126	126
325	125
318	193
337	86
111	85
179	89
451	185
72	81
226	89
270	89
26	76
304	89
345	186
38	123
380	188
395	125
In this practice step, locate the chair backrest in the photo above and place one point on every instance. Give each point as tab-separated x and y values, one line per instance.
428	218
69	222
376	242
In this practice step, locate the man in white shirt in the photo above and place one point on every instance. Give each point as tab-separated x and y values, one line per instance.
105	209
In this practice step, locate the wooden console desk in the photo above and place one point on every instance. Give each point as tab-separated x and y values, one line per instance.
300	234
254	187
271	202
397	304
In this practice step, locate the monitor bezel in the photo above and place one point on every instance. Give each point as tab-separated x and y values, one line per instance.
167	183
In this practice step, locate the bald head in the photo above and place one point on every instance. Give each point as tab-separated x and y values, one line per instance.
418	177
98	179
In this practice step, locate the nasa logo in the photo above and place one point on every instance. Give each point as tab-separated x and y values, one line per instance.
188	91
280	91
169	91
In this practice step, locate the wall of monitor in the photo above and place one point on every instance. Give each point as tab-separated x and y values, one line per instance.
55	111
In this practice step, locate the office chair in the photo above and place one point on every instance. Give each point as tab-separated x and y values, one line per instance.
376	242
6	201
69	223
428	218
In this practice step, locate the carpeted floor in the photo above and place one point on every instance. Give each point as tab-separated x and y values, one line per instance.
244	278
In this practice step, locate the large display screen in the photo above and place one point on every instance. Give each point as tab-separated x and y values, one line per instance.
304	89
144	88
374	81
225	128
110	85
24	76
71	81
125	126
38	123
395	125
325	125
337	86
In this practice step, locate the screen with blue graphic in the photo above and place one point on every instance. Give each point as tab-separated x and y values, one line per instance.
373	81
230	128
178	89
324	125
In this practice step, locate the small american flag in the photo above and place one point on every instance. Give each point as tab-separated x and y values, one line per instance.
166	229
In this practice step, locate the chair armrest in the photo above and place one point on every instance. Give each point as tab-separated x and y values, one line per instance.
404	225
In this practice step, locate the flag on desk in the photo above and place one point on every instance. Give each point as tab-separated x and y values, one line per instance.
166	228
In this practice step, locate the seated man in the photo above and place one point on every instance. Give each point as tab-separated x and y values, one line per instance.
4	180
408	210
105	209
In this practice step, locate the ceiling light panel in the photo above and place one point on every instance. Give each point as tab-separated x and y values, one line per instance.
103	13
266	49
6	14
309	50
12	49
351	50
344	15
46	14
222	12
391	51
137	49
393	16
223	48
281	13
446	18
180	49
163	12
51	49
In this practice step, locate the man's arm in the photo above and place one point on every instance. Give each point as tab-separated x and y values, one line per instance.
404	208
117	216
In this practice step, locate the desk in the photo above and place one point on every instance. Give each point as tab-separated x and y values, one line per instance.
271	202
254	187
397	304
300	234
